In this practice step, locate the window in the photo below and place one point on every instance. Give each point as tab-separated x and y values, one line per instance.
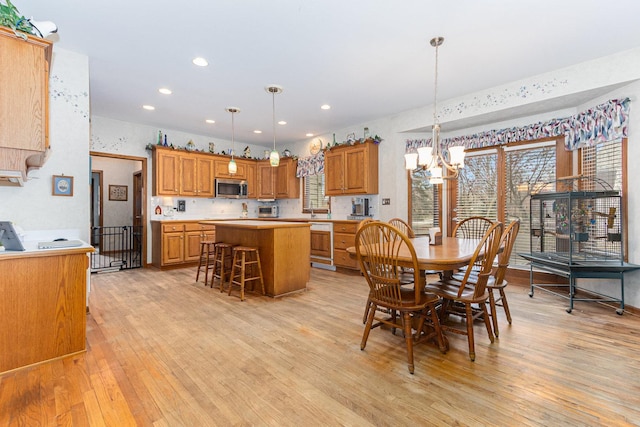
424	211
477	192
527	168
313	198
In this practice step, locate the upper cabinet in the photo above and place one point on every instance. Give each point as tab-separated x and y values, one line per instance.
179	173
351	169
24	105
278	182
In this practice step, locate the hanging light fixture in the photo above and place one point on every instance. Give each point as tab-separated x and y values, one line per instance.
274	157
432	158
233	167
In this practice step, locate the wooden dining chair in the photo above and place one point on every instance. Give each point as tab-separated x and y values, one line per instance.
377	246
471	289
496	281
403	226
472	228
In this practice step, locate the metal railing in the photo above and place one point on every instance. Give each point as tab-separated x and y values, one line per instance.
116	248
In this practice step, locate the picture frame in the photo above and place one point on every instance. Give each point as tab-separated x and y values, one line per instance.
118	193
62	185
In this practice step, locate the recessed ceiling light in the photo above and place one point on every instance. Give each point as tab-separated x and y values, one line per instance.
257	131
309	134
200	62
282	122
149	107
165	91
210	121
325	107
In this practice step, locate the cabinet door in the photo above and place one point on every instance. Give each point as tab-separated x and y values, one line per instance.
266	181
222	169
192	245
188	178
334	170
24	89
172	248
167	173
204	175
355	174
252	185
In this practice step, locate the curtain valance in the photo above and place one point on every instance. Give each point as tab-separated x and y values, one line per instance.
604	122
312	165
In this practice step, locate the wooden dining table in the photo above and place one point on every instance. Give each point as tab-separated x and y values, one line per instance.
452	254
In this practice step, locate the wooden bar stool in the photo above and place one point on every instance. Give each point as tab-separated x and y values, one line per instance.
221	263
246	268
207	252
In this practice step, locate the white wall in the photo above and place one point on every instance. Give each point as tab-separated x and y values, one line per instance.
33	207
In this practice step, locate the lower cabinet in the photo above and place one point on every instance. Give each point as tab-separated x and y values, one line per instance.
344	236
177	243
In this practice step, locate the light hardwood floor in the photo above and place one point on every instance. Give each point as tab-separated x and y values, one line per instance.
166	351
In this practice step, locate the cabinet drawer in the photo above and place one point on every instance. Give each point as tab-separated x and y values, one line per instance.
345	227
343	241
171	228
342	259
194	226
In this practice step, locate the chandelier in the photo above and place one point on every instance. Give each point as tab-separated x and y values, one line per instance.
233	167
434	158
274	157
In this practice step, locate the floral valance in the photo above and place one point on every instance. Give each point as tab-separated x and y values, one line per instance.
312	165
605	122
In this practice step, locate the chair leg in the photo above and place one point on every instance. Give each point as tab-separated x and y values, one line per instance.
494	312
505	305
485	316
367	327
470	338
408	337
366	311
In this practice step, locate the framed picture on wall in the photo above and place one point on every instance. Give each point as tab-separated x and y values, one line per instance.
118	192
62	185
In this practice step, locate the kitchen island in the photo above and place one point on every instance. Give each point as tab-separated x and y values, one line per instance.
284	250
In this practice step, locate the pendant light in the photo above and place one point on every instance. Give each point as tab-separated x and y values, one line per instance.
274	157
233	167
432	158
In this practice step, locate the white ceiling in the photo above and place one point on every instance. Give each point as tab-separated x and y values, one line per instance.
366	58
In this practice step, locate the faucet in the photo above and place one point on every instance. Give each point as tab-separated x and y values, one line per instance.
312	214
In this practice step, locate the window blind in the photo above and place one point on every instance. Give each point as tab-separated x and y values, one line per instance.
425	212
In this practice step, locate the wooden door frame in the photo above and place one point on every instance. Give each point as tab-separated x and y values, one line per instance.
144	161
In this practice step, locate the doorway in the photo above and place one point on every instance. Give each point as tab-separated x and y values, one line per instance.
118	211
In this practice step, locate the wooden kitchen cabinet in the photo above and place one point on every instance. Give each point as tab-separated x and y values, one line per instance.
166	172
344	236
279	182
177	173
196	176
351	169
252	180
24	104
222	168
177	243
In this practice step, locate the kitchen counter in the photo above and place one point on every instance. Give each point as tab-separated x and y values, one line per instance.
42	304
284	250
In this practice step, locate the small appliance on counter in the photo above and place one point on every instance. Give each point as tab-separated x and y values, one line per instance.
360	208
269	210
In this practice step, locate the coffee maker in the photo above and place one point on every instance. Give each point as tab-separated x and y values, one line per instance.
360	206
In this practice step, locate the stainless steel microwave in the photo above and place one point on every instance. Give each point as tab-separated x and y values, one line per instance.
231	188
